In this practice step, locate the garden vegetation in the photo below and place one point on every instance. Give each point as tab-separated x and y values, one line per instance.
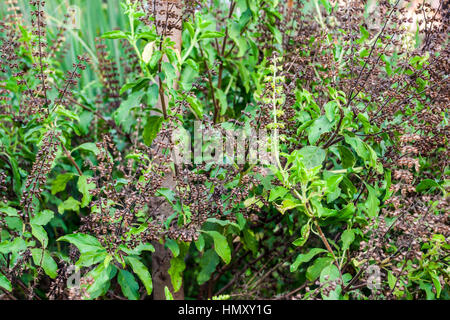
350	204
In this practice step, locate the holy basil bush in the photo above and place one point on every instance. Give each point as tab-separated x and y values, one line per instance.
352	98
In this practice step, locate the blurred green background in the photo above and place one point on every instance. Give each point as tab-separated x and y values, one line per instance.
93	17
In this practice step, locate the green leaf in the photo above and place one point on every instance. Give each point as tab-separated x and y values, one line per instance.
348	187
166	193
277	192
16	174
347	158
84	242
244	74
220	245
330	273
107	260
313	272
211	34
364	52
142	272
188	75
84	187
365	152
169	71
59	184
14	223
250	201
40	234
152	95
345	213
90	258
322	211
10	211
196	106
173	246
250	241
364	35
426	184
42	217
286	205
436	282
173	56
330	110
333	182
101	276
205	24
241	220
388	64
88	146
15	246
222	97
116	34
320	126
305	257
372	203
364	120
391	280
69	205
48	264
359	146
156	57
312	156
5	283
136	85
190	28
177	266
428	287
122	114
168	294
208	265
60	110
348	236
304	235
151	129
240	41
200	243
128	284
276	33
144	247
223	223
147	35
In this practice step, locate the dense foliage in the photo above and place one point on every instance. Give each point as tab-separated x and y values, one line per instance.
353	96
